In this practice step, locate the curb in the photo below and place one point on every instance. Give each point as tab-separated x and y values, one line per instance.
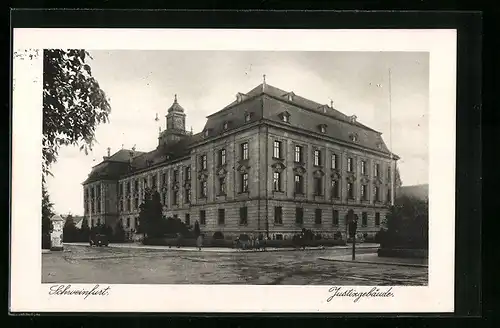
378	263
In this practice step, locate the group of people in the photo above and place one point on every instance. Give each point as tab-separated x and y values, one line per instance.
259	243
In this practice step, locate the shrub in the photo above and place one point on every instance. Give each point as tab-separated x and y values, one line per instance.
218	235
337	235
46	241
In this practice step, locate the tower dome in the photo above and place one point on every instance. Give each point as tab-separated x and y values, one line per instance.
176	107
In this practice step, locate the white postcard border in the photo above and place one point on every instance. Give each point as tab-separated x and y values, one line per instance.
28	294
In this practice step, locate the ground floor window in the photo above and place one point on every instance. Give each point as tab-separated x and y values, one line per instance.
317	216
243	215
278	215
299	215
377	218
188	219
335	217
203	218
364	219
222	216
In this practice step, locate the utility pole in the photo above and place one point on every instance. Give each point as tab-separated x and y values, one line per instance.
392	165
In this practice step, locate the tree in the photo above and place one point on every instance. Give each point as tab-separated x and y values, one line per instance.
85	230
73	103
70	231
407	224
119	235
47	211
151	215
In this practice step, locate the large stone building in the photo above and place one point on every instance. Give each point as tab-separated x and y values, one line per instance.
270	162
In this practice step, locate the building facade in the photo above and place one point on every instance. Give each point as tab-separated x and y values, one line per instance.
270	162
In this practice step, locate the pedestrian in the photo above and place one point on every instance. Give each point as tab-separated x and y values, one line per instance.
199	242
257	244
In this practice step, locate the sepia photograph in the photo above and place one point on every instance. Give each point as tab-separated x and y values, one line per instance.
182	168
236	167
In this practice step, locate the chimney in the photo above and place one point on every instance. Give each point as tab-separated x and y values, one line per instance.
264	82
331	104
109	152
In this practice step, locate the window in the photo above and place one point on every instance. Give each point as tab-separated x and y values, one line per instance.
136	201
278	215
299	215
364	219
334	161
154	182
285	117
322	128
188	173
317	216
203	162
277	149
92	192
136	186
203	189
318	187
188	195
222	157
376	194
120	191
203	217
225	126
243	215
176	176
244	151
145	182
377	219
188	220
248	117
350	167
277	181
363	167
350	190
98	206
206	133
222	216
244	182
298	154
354	137
377	170
222	185
163	179
317	158
165	198
279	236
121	205
128	222
364	195
389	176
175	199
299	185
335	189
389	195
335	217
129	204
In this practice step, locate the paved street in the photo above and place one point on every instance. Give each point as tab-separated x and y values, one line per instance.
120	265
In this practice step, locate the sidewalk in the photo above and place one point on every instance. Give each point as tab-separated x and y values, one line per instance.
219	249
375	259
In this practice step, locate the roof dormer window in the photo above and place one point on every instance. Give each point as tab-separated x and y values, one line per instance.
248	117
225	125
285	117
353	118
206	132
353	137
322	128
239	97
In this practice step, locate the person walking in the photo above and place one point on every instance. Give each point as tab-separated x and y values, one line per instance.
199	242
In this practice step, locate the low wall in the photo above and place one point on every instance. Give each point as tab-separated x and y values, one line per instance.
191	242
404	253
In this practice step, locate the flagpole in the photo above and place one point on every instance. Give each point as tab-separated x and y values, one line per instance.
393	169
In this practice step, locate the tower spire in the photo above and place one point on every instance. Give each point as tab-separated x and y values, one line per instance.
175	98
263	82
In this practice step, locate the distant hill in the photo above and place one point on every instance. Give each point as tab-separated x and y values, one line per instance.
418	191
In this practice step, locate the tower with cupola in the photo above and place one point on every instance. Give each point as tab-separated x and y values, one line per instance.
176	124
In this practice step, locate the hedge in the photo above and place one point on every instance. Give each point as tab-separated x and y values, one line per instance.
210	242
402	252
46	241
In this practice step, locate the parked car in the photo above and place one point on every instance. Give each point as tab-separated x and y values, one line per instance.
99	240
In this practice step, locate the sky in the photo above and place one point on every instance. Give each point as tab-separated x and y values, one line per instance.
142	84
